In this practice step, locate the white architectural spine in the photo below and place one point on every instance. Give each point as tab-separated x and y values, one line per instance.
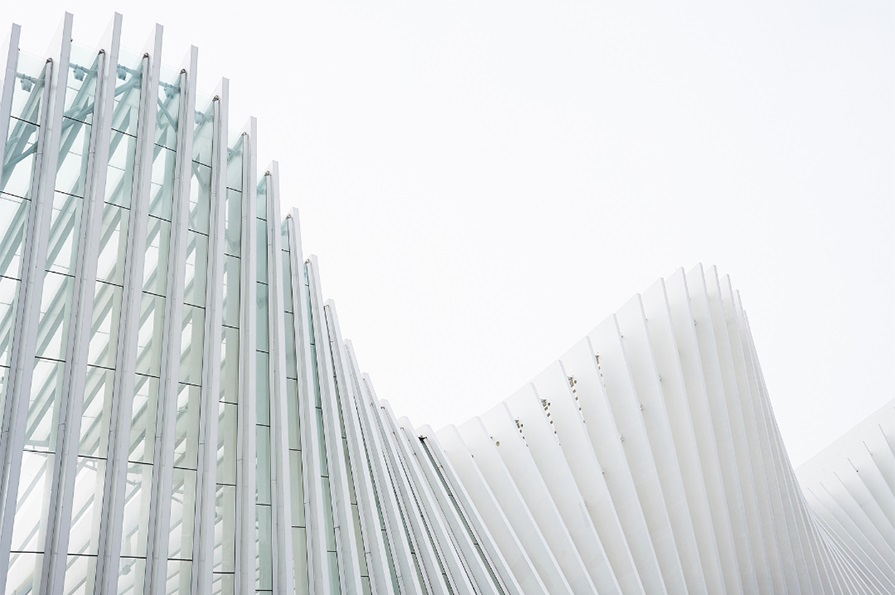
203	534
248	319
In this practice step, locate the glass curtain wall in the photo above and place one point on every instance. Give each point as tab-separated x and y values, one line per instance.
103	450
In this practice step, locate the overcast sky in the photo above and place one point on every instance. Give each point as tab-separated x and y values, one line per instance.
483	182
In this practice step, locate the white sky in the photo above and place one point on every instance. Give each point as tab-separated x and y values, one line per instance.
484	182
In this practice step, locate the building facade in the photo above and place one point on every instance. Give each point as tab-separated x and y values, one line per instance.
179	412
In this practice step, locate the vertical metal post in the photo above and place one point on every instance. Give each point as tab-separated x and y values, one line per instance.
248	308
283	565
203	532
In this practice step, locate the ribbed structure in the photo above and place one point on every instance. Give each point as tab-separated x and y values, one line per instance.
179	412
648	460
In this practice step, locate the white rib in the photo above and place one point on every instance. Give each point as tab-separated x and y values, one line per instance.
247	412
203	531
543	441
284	572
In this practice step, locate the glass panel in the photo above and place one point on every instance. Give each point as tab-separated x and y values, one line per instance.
127	93
178	573
292	411
24	573
4	381
98	392
295	479
234	164
287	280
230	365
264	559
358	537
192	337
263	319
183	507
131	572
300	560
88	498
143	426
71	170
168	111
231	291
262	467
227	444
200	197
55	308
333	560
161	189
233	222
80	572
186	438
104	332
149	339
112	244
223	584
203	132
261	230
8	291
225	529
62	250
120	172
328	515
40	428
262	388
18	161
158	242
135	524
26	90
34	492
261	198
289	330
196	268
80	92
13	219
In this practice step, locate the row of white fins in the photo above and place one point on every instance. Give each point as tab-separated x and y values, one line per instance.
648	460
